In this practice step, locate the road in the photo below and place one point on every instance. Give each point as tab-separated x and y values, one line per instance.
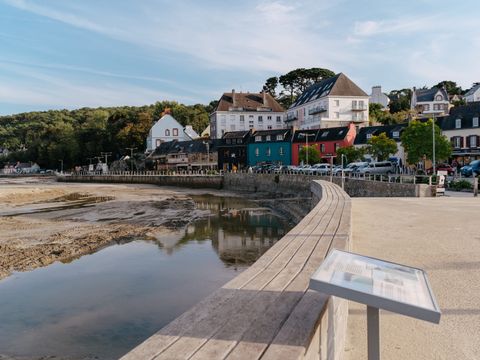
440	235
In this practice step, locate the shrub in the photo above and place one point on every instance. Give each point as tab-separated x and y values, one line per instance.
461	185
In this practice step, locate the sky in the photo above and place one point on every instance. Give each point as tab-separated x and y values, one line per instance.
57	54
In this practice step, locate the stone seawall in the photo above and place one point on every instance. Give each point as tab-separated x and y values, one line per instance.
189	181
277	184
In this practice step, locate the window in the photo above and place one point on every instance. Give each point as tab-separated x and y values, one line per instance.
360	104
228	141
280	151
250	126
268	152
369	136
439	97
250	116
269	117
175	132
322	148
257	152
337	102
396	134
239	141
279	137
473	141
337	115
232	117
458	124
426	107
260	118
457	142
475	122
325	134
337	145
354	104
269	127
258	138
223	119
242	119
158	142
279	119
269	138
232	127
167	132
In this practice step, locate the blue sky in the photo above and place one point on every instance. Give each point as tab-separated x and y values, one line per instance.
69	54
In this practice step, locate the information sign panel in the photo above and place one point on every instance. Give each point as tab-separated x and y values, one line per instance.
377	283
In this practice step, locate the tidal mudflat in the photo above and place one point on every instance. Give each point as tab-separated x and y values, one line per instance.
90	271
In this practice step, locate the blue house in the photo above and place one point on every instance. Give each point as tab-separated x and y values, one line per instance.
270	147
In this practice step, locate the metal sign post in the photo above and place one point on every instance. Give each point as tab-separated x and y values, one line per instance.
379	285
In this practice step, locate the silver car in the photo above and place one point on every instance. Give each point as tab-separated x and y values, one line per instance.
378	168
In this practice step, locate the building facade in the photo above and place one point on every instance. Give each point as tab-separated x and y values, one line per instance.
463	130
185	155
270	147
473	94
332	102
168	129
428	102
233	150
378	97
392	131
327	141
246	112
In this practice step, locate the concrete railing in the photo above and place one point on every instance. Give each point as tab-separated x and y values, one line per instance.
267	311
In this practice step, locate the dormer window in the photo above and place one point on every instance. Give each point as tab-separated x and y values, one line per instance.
458	124
439	97
396	134
269	138
279	137
258	138
369	136
475	122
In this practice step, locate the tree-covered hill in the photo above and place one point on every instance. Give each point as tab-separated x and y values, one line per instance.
77	135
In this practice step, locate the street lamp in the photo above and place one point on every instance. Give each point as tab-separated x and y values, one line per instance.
433	135
306	143
61	164
131	156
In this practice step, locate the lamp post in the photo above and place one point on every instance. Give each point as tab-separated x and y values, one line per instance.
343	173
61	166
306	144
433	136
131	157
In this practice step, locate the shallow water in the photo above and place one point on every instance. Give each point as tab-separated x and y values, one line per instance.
106	303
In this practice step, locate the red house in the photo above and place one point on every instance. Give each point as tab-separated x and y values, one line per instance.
327	141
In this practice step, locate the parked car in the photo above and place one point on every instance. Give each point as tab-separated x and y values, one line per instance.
354	166
378	168
320	169
442	167
471	169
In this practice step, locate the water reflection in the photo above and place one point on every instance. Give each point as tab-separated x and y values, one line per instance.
106	303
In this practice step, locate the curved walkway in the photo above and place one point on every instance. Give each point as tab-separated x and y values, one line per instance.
442	236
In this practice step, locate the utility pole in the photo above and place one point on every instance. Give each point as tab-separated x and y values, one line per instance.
131	156
433	135
106	154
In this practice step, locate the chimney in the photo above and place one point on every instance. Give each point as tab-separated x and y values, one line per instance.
264	98
233	98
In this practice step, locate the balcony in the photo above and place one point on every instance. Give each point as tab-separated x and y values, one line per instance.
358	118
317	110
291	117
359	107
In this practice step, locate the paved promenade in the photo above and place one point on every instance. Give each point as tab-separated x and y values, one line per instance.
442	236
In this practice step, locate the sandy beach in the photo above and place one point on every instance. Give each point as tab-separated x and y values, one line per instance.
42	221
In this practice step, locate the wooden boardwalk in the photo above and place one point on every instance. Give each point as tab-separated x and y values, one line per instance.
266	312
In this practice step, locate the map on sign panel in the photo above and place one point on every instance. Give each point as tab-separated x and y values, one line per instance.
377	283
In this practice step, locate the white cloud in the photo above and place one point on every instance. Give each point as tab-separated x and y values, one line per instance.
400	25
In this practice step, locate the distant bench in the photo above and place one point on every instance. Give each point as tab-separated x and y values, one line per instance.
267	312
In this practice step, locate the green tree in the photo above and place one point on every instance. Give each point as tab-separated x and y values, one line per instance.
271	85
351	154
399	100
417	140
313	155
451	87
381	147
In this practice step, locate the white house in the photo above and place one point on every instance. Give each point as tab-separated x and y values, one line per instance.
473	94
168	129
246	111
378	97
332	102
430	101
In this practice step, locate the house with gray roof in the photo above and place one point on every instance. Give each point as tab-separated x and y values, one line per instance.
428	102
333	102
391	131
473	94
